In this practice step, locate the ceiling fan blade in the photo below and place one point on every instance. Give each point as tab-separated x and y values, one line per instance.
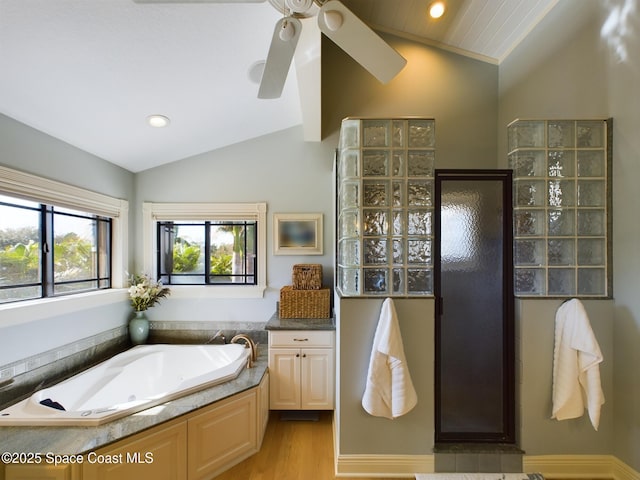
283	46
199	1
353	36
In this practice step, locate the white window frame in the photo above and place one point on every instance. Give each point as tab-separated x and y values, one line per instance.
31	187
152	213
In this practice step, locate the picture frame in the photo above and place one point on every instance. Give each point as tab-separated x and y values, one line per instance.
297	234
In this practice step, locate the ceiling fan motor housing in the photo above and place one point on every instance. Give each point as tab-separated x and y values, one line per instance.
299	6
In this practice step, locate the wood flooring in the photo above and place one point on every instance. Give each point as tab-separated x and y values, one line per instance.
293	450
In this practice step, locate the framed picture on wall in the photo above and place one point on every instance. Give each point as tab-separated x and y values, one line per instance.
297	233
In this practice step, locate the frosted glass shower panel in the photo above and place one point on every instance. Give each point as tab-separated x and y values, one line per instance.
561	176
385	206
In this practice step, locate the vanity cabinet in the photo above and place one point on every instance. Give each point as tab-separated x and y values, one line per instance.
301	367
195	446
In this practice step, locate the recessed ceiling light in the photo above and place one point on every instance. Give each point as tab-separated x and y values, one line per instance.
158	121
436	10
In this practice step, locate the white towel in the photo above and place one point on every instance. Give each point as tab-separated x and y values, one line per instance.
576	365
389	391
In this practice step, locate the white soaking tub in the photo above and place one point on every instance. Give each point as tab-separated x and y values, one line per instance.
139	378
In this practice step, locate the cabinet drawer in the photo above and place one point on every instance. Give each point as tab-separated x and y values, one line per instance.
301	338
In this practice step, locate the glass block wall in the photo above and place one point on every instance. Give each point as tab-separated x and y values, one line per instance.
561	206
385	207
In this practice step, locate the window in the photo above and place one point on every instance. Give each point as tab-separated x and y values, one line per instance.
210	252
47	250
561	207
207	249
57	240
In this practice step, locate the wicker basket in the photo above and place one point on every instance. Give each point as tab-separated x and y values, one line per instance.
304	303
307	276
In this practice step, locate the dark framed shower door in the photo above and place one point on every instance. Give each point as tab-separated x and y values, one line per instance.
473	286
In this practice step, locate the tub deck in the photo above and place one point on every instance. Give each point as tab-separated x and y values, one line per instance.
134	380
73	440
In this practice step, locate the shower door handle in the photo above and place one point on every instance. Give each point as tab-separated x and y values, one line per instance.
439	306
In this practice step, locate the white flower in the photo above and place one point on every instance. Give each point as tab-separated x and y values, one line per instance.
145	293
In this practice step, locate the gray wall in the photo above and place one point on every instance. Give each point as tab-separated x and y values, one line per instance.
624	106
29	150
461	94
558	71
281	169
566	69
563	70
360	433
539	434
471	133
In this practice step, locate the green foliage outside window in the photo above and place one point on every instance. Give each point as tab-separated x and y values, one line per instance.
221	265
73	257
185	256
19	263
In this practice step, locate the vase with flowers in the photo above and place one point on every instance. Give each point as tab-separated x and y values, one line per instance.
144	294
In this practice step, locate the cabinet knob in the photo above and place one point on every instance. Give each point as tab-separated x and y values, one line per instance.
297	355
304	355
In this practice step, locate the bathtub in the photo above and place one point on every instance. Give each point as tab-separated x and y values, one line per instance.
137	379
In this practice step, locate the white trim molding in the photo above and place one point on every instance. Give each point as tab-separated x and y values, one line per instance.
43	190
383	465
18	313
579	466
622	471
550	466
154	212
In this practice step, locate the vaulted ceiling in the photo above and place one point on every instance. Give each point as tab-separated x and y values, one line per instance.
91	72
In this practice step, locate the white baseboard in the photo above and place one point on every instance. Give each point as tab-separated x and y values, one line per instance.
622	471
551	466
579	466
383	465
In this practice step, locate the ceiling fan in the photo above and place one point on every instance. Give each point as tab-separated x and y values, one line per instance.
336	21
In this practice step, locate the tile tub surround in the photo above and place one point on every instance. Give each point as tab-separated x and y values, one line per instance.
20	379
204	332
76	440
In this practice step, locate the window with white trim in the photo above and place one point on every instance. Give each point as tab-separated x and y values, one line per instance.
221	252
57	239
47	251
221	245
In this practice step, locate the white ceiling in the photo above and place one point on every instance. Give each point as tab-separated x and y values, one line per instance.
89	72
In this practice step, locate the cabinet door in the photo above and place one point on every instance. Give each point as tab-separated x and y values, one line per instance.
317	379
284	372
222	436
41	472
161	454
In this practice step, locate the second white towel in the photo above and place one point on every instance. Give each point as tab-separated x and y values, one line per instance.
389	391
576	365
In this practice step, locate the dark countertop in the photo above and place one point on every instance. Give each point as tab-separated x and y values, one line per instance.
277	323
82	439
